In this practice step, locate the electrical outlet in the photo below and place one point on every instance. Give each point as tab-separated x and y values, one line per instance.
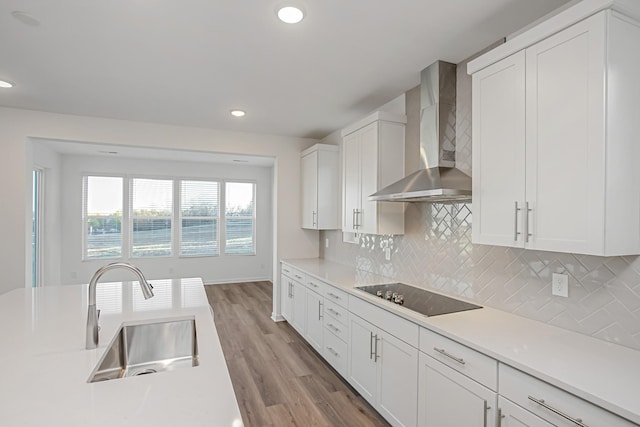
387	254
560	285
326	242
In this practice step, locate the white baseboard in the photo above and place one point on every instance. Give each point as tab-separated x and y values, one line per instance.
277	318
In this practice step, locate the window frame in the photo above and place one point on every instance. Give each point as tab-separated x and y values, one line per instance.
129	201
85	216
218	220
254	218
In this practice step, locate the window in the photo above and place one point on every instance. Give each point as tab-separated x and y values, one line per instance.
130	217
102	217
151	217
240	218
199	213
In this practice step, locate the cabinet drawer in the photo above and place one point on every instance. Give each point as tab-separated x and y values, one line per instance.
316	286
339	313
393	324
293	273
335	352
336	328
336	295
463	359
525	390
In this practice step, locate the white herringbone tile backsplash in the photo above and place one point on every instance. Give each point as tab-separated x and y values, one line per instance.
436	252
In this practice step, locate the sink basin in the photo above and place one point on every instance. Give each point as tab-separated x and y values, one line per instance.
147	348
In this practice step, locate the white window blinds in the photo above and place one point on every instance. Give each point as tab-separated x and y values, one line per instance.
151	217
199	217
102	216
240	218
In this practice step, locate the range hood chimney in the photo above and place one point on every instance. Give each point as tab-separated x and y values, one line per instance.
437	180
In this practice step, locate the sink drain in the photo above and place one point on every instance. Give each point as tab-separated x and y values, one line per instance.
145	372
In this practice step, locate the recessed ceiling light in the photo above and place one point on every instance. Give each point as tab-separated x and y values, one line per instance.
237	113
290	14
25	18
5	84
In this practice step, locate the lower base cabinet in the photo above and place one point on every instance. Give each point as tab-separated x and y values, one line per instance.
512	415
315	325
384	370
447	398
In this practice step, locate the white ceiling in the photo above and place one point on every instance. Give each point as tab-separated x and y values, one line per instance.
189	62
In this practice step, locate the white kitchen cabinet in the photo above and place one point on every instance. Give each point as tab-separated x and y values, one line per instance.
383	369
553	142
512	415
554	405
315	323
320	187
293	298
447	398
373	157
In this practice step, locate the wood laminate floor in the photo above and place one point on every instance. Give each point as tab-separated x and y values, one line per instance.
279	380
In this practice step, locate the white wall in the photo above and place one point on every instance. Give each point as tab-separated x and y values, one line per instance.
17	126
50	162
219	269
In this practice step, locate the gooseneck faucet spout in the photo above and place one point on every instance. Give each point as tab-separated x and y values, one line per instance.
93	314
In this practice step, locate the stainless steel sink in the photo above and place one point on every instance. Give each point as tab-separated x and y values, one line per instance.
147	348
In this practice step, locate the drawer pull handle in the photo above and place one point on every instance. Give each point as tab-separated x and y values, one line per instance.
541	402
332	351
332	311
443	352
330	325
334	296
298	277
313	284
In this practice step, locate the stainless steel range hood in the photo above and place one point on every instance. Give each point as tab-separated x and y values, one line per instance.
437	180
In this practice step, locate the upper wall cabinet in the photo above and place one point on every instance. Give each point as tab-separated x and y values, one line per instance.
555	141
320	187
373	157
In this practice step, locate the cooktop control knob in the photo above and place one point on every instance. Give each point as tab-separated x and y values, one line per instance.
388	295
399	299
379	294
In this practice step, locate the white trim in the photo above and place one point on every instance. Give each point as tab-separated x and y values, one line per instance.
238	280
377	116
558	22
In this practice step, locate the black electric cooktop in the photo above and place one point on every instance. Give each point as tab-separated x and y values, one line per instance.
416	299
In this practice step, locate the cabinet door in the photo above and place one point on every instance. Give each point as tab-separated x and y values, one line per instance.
362	364
512	415
310	190
299	302
499	152
398	380
286	300
315	323
447	398
367	216
565	139
351	176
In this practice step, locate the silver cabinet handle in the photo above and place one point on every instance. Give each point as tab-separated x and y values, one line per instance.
332	311
332	351
334	296
358	212
285	270
353	219
500	417
331	326
320	304
486	412
313	284
526	222
450	356
292	293
515	223
377	355
371	353
315	223
298	277
541	402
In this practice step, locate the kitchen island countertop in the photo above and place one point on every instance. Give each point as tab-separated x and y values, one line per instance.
603	373
44	365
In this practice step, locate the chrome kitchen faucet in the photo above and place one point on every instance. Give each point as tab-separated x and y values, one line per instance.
93	314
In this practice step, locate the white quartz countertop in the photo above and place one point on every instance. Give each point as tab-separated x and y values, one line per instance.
44	365
603	373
